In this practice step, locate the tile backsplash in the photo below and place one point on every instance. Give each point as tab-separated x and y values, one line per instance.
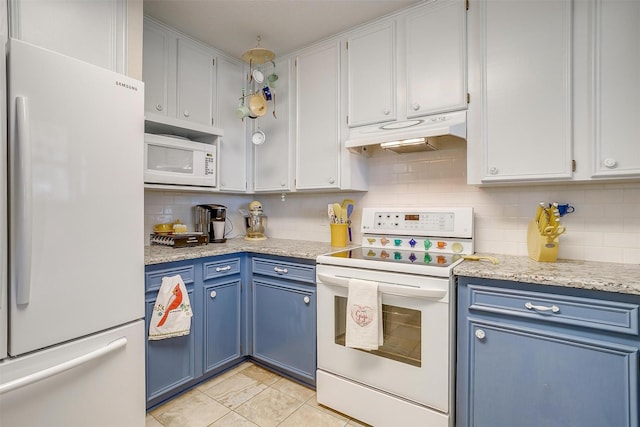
604	227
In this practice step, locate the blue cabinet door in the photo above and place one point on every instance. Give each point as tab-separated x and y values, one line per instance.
284	327
222	323
170	363
528	378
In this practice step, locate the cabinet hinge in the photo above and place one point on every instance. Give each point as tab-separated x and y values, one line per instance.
213	61
347	119
573	165
467	4
347	45
468	98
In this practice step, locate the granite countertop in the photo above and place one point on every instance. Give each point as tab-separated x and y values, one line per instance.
601	276
156	254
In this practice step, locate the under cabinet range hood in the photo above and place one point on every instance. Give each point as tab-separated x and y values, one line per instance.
419	134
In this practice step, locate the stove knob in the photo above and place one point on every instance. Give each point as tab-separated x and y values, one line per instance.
442	245
412	242
371	240
397	242
427	244
384	241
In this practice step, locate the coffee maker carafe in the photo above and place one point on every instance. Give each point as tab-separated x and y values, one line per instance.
210	219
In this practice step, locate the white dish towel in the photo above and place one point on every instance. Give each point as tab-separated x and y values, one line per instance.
364	315
171	316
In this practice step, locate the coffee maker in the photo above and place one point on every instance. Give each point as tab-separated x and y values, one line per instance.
210	219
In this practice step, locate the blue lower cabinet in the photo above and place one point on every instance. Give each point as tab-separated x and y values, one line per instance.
222	323
170	363
531	358
284	327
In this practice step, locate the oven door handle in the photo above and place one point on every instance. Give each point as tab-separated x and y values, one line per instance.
404	291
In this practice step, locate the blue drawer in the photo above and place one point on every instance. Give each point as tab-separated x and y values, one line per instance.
215	269
584	312
153	279
285	270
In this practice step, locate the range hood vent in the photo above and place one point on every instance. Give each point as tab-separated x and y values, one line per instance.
410	136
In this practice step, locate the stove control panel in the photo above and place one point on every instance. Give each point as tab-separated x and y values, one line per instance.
445	222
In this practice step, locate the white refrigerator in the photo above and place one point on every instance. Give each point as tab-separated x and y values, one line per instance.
72	290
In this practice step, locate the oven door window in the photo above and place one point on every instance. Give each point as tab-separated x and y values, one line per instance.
401	327
167	159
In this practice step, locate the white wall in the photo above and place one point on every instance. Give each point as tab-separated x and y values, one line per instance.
604	227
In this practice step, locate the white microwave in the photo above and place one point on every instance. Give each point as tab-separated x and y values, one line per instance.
174	160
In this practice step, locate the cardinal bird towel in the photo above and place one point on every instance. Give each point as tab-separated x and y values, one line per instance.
172	313
364	315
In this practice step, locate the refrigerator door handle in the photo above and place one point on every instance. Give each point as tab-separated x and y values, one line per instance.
22	178
62	367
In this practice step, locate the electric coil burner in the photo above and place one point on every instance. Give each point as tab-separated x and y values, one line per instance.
410	253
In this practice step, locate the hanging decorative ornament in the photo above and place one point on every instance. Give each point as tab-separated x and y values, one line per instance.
258	55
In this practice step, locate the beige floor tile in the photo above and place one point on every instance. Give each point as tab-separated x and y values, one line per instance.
233	419
192	409
235	390
224	376
258	373
294	389
309	416
269	408
314	402
356	423
151	422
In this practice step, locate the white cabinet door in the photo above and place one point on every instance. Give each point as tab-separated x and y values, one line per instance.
616	87
371	57
436	38
158	71
317	115
195	84
232	147
520	115
273	160
92	31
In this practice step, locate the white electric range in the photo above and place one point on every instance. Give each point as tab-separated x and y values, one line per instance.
409	380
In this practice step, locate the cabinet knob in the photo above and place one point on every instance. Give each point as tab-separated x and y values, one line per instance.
610	163
493	170
306	300
332	181
159	107
186	113
386	112
213	294
480	334
282	183
280	270
415	106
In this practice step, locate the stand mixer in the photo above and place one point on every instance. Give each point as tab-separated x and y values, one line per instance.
255	222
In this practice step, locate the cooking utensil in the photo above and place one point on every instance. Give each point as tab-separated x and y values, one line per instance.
348	206
257	104
337	211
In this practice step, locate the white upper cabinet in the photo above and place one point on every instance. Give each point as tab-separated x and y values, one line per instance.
195	83
232	147
158	59
436	58
520	84
371	59
615	123
273	160
92	31
317	115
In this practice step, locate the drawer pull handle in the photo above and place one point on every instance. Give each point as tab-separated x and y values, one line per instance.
553	308
280	270
225	268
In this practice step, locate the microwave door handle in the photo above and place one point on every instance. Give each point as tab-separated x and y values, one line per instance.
403	291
